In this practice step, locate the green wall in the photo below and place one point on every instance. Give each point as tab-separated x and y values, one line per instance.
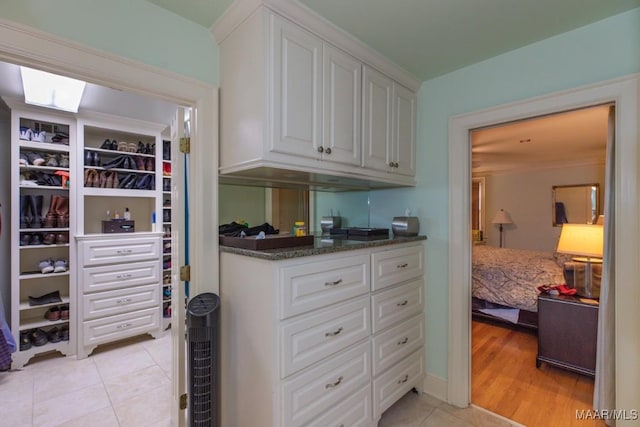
134	29
601	51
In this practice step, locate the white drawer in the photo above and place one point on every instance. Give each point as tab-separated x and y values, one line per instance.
397	304
396	266
316	392
120	326
125	249
118	276
396	343
319	284
396	382
120	301
355	411
310	338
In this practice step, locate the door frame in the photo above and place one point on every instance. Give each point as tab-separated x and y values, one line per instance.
624	93
23	45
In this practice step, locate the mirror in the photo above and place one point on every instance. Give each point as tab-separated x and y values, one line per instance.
575	204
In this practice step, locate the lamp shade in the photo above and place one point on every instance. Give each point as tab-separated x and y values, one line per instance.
502	217
581	239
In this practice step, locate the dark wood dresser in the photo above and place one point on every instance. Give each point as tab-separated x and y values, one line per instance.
567	331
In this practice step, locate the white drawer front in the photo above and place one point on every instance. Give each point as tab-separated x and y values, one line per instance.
396	343
395	266
317	391
319	284
120	301
120	326
355	411
396	382
108	277
397	304
100	252
311	338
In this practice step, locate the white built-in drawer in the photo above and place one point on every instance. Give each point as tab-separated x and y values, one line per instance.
125	249
118	276
396	266
317	391
120	326
396	382
120	301
396	304
314	336
355	411
395	343
319	284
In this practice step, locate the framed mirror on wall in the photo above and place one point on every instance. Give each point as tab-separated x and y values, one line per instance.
575	204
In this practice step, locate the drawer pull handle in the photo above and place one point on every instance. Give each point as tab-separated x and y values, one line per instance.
336	384
404	380
336	283
124	251
334	333
403	265
124	325
120	301
404	341
124	276
400	304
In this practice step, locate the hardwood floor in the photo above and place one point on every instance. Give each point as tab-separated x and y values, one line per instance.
505	380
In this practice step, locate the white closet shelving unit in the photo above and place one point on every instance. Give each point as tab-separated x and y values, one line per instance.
166	234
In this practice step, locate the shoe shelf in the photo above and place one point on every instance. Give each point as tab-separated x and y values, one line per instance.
42	205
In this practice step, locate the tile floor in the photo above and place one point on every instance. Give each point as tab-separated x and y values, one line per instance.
129	384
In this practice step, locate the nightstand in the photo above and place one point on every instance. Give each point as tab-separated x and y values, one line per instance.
567	331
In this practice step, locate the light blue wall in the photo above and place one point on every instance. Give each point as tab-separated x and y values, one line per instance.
600	51
134	29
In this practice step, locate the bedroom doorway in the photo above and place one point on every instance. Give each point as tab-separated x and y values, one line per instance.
624	93
520	163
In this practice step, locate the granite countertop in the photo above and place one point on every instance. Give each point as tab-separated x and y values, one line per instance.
321	245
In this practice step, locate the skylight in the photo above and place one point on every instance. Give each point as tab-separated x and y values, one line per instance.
51	90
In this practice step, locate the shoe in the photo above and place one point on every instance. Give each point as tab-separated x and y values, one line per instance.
50	219
38	337
25	341
88	158
123	146
142	182
53	313
35	159
150	164
24	159
36	206
62	239
166	215
64	312
50	298
49	239
166	169
166	279
25	133
129	163
166	265
60	266
140	164
106	145
114	163
25	239
133	147
63	160
53	335
140	148
166	312
46	266
60	138
166	150
39	136
64	332
96	159
128	181
51	160
25	211
36	239
103	179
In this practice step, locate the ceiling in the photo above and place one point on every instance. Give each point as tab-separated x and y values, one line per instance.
430	38
573	138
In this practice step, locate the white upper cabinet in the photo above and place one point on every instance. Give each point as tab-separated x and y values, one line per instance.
299	104
297	90
342	139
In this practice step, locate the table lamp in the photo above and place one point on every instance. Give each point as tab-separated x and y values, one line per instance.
501	218
586	241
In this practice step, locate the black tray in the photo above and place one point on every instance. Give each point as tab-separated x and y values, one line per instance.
361	231
271	241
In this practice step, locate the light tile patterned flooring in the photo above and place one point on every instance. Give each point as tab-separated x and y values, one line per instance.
129	384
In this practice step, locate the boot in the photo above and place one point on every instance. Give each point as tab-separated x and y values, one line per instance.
36	206
62	212
25	210
50	219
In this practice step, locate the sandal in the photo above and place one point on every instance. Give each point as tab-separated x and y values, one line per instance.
38	337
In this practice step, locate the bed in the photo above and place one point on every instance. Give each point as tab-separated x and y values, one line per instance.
505	282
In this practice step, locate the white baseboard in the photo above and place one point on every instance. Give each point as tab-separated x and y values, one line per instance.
436	387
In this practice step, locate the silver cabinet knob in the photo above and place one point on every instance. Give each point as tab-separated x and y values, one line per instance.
328	150
320	149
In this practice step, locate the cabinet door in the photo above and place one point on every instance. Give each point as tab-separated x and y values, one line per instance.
377	105
342	107
297	92
404	130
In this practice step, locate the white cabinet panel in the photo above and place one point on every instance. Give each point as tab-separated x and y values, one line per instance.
120	301
404	130
317	391
122	249
297	95
377	111
392	345
396	304
319	334
309	286
396	266
342	107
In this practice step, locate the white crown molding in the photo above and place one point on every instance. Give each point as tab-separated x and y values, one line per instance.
311	21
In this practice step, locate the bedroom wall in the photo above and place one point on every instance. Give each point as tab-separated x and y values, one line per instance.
528	200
